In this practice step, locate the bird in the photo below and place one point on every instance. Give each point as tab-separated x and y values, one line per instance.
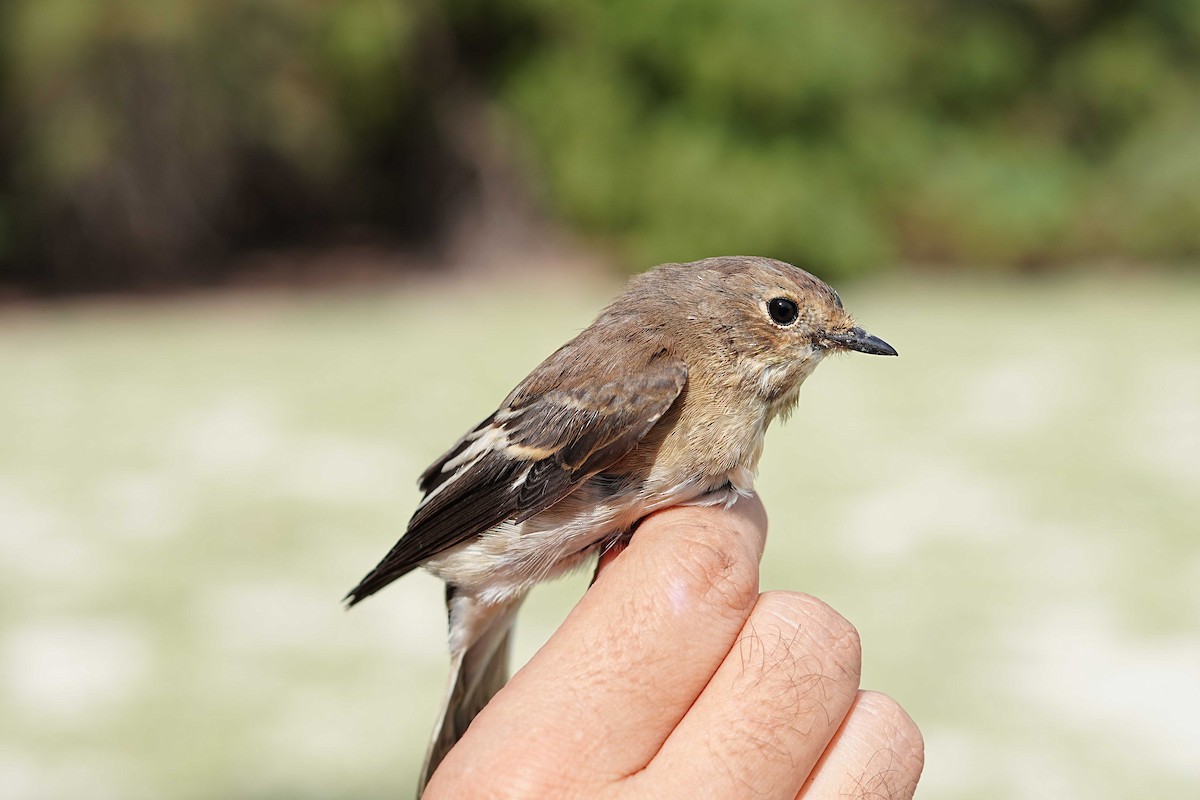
663	400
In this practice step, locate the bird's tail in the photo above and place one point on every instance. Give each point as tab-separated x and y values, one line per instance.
477	672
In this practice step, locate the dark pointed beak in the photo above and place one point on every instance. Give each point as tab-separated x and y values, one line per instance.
863	342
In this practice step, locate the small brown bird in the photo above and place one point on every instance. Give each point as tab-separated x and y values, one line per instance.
662	401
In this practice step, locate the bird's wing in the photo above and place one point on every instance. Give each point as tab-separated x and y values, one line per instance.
553	433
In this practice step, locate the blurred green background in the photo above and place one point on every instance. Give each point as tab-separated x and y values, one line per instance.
143	143
260	262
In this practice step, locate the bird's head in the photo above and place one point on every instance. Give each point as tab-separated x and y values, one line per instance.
773	321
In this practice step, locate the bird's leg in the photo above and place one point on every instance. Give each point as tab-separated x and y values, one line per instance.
615	544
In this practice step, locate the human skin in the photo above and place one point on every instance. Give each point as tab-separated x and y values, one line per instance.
675	677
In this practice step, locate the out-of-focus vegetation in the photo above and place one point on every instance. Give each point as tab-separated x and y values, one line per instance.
141	142
848	134
146	141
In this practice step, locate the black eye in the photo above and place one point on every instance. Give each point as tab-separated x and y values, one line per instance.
783	310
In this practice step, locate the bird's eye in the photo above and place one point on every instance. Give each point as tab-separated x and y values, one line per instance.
783	310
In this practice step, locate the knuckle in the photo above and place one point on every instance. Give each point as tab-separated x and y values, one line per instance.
797	665
889	750
827	636
895	727
714	568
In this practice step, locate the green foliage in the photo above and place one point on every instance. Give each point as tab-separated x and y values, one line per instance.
847	135
275	74
145	135
140	138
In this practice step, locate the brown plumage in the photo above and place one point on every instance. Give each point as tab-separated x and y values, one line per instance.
663	400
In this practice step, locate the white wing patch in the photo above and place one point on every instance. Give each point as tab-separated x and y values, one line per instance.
484	441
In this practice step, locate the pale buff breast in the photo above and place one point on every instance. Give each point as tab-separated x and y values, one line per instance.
509	559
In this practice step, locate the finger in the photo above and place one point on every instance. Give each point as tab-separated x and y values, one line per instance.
623	669
878	752
769	711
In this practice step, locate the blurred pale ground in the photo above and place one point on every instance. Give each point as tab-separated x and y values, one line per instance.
1008	513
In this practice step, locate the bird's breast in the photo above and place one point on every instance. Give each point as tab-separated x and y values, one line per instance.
706	457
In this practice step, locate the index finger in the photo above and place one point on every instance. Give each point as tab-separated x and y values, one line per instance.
631	658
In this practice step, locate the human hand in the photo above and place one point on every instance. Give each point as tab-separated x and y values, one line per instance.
675	678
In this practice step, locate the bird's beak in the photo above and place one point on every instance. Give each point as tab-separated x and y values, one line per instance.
863	342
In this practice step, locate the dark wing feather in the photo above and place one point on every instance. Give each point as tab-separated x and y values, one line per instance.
550	440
